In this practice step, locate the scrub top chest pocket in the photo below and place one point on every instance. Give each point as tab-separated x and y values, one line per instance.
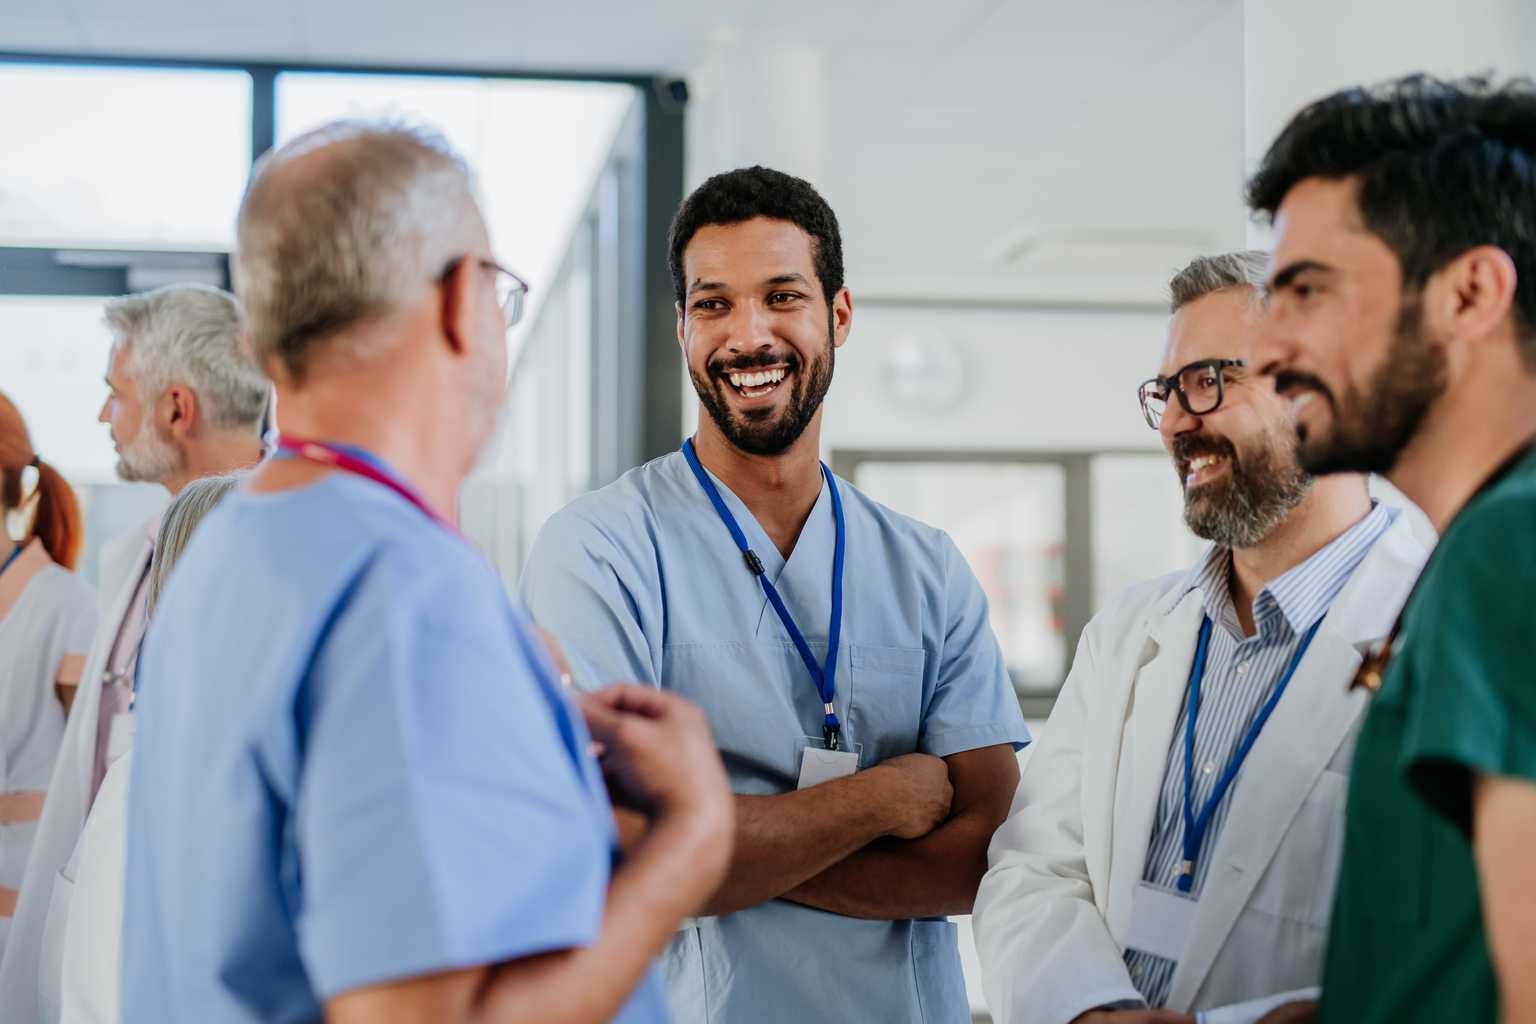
887	697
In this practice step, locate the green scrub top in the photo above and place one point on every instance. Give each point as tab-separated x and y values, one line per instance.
1459	697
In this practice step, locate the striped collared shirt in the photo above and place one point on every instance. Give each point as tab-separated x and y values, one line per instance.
1241	673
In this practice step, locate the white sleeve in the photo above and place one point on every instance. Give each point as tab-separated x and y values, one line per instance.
1046	953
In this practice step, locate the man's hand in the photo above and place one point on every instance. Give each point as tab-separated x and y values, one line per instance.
658	754
660	760
1132	1017
916	789
1301	1012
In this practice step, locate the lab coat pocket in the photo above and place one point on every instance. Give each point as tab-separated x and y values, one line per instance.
1299	883
936	967
885	700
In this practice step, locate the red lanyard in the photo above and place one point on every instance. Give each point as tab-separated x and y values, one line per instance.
319	451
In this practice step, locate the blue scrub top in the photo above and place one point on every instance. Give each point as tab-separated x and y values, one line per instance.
353	765
642	581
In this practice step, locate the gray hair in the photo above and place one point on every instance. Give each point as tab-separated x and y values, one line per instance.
182	515
345	225
1207	274
189	334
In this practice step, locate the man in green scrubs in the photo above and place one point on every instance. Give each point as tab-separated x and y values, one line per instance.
1403	327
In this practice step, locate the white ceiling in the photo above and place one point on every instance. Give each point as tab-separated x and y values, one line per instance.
986	148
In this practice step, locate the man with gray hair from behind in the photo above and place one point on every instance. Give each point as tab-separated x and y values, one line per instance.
184	401
1173	845
361	792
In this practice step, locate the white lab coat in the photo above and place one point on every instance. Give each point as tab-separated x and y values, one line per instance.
90	907
47	619
122	561
1055	905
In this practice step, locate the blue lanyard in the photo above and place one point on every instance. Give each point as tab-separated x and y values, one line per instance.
1194	827
16	553
824	679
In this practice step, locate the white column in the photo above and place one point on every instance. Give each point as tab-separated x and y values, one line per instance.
756	105
1297	51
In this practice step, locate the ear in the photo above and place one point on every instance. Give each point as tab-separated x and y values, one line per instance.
842	316
455	294
1470	298
681	324
177	410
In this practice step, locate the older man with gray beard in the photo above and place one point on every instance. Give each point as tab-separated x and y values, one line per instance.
1174	841
184	402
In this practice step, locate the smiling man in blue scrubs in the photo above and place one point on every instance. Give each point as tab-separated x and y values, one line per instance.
819	631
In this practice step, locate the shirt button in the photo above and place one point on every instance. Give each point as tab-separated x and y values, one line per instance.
1242	668
1210	766
1137	971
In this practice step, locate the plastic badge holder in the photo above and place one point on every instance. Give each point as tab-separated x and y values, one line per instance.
818	764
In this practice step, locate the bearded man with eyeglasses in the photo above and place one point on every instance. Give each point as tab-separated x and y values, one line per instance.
1175	836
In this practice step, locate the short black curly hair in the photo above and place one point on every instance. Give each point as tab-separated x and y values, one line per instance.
1443	167
749	192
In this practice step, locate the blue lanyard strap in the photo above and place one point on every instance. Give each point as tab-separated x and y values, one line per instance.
824	679
1195	826
17	553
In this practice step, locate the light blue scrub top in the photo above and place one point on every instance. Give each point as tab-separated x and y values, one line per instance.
353	765
641	580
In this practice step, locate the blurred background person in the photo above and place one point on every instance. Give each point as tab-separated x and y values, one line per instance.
184	402
387	809
47	619
1175	838
80	979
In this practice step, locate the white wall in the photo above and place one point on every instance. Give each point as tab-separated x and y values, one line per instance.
1033	381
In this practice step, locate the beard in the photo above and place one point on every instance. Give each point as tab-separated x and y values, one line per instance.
767	430
1372	426
1261	486
148	458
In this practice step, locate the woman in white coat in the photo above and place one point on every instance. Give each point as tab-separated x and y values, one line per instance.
47	619
82	942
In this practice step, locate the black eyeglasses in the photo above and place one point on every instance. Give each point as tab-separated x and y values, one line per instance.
1200	386
510	288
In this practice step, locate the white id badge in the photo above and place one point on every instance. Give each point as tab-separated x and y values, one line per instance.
120	738
818	764
1160	921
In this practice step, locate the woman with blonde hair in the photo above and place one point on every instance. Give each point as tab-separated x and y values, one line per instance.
80	976
47	620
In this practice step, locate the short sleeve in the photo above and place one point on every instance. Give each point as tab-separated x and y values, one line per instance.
1470	658
973	701
441	820
579	585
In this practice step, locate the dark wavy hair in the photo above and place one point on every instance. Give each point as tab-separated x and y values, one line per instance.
749	192
1443	167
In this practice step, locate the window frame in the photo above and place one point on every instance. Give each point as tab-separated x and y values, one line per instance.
1077	537
658	389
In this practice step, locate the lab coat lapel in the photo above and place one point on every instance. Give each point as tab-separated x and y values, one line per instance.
1316	715
1153	708
123	561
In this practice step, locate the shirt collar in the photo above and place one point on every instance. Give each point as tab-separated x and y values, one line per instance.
1301	595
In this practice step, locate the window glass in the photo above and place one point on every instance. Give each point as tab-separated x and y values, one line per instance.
1138	523
151	157
1008	520
536	147
53	356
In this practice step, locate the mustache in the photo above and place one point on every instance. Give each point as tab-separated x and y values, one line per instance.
752	361
1196	445
1285	380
